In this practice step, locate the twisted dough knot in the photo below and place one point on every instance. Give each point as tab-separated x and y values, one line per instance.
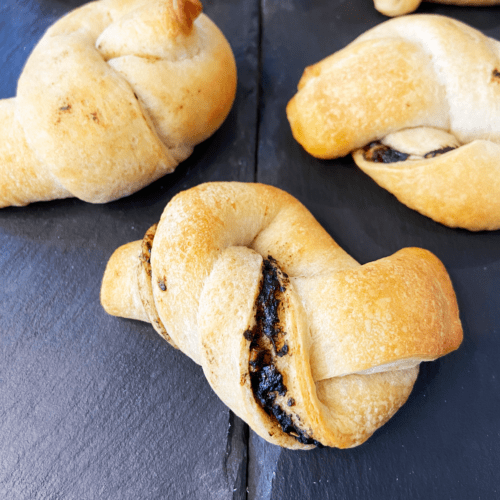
113	97
417	101
298	339
399	7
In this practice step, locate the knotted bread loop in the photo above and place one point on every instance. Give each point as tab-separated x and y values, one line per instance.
417	101
298	339
113	97
400	7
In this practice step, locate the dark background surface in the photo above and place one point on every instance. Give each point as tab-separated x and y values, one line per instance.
93	406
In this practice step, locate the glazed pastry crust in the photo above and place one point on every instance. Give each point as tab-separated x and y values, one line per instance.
354	334
113	97
412	73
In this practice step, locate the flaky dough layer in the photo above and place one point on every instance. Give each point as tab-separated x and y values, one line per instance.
114	96
297	338
421	76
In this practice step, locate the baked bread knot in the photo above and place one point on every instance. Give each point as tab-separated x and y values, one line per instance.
399	7
298	339
113	97
417	101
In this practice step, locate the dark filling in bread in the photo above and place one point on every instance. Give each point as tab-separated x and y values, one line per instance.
438	152
146	248
267	341
145	258
147	245
380	153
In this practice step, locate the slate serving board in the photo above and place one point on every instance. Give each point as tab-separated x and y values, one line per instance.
93	406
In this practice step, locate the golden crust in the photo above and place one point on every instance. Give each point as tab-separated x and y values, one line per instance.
116	94
414	73
22	177
361	93
396	7
349	337
117	296
408	317
400	7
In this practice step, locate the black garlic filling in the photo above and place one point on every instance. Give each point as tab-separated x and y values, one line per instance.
438	152
267	343
146	285
146	247
380	153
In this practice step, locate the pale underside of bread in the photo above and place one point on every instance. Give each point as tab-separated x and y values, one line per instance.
409	73
355	334
116	94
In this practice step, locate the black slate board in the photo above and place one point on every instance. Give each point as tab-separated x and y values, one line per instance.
93	406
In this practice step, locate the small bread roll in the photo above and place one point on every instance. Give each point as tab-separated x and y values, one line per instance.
417	101
113	97
303	343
